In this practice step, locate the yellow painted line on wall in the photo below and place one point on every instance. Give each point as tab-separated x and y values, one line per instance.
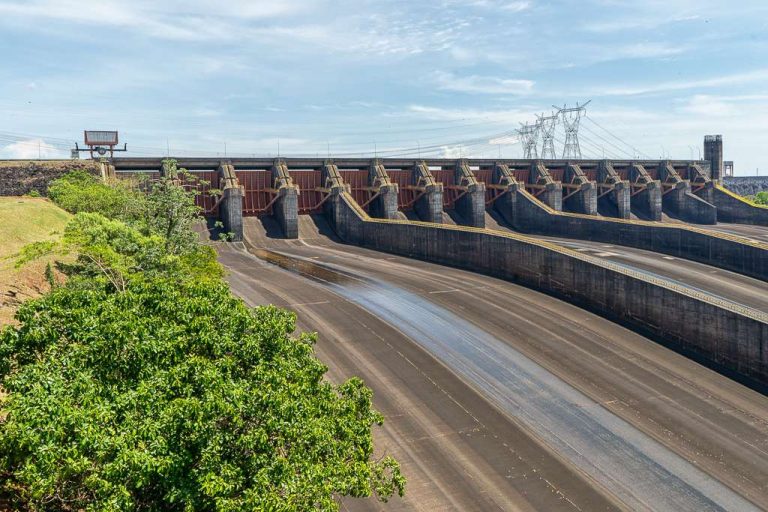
738	197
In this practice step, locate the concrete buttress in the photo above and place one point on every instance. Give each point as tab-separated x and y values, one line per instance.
581	195
679	201
429	206
549	191
384	204
231	203
286	205
645	198
613	198
470	204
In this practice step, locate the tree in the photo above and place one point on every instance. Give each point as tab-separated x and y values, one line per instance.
170	208
176	396
142	384
80	191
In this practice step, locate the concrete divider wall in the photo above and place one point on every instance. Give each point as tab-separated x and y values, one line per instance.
231	212
722	334
524	213
682	203
231	204
286	211
733	208
286	205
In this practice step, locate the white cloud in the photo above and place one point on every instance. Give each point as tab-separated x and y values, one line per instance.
646	50
734	79
635	23
31	149
483	84
452	152
702	104
505	116
503	5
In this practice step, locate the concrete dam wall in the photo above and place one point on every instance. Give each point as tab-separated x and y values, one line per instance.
719	333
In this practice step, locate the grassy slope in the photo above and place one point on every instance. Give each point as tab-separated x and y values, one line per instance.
24	220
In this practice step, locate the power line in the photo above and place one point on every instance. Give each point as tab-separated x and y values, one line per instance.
617	148
635	151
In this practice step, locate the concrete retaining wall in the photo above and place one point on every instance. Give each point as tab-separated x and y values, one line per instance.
734	208
22	177
726	336
685	205
524	213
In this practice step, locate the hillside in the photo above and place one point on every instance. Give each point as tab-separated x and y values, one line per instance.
24	220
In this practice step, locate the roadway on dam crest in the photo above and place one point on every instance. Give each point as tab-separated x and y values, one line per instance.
500	398
759	233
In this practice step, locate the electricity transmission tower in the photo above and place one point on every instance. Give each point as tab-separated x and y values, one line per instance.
529	136
571	117
547	126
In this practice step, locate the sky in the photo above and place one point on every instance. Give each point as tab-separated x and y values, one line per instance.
387	78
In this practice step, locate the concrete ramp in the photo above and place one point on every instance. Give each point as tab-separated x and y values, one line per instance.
266	232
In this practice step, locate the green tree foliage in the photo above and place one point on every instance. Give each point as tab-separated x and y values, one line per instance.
163	206
142	384
80	191
761	198
170	209
176	396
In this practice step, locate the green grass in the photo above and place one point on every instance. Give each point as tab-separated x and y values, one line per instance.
27	219
24	220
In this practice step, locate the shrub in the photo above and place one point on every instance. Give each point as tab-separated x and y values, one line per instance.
79	191
761	198
177	396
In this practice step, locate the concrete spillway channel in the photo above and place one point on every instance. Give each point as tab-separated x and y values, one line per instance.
499	397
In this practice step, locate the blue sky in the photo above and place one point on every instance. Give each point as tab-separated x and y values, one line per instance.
446	76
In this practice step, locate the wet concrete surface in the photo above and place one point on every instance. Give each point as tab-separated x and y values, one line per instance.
500	398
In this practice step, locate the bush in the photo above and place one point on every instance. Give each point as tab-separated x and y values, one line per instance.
761	198
177	396
79	191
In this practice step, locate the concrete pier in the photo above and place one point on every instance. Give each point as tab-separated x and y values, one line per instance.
471	203
286	205
581	194
680	202
231	203
384	203
613	198
547	190
701	184
645	197
429	205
